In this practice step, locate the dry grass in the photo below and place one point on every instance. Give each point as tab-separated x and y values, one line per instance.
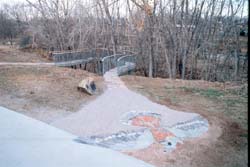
44	93
8	54
225	107
229	99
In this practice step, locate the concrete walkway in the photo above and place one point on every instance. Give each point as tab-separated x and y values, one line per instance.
25	142
105	114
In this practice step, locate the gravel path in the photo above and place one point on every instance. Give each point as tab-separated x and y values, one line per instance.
26	64
103	115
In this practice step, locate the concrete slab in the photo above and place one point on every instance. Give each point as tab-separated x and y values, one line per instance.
105	117
25	142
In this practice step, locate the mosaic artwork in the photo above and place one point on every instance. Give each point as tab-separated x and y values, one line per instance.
152	132
122	141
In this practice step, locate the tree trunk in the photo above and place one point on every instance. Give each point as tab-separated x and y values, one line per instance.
151	52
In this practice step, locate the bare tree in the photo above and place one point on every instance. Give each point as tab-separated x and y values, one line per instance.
177	39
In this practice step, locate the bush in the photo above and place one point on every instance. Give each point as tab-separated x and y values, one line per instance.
25	41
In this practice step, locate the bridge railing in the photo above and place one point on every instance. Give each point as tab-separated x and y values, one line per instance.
125	64
69	56
109	62
78	55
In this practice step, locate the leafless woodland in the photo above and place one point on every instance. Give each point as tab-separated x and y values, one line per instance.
197	39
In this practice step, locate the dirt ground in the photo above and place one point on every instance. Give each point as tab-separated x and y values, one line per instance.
223	105
12	54
44	93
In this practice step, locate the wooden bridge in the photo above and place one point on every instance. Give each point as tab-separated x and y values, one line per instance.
105	59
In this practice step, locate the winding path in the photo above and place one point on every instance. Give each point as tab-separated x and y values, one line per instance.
108	113
121	119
